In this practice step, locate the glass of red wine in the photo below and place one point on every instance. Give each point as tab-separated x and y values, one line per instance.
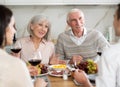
15	49
35	60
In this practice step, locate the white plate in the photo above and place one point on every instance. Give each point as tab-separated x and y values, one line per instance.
92	76
50	73
60	67
58	75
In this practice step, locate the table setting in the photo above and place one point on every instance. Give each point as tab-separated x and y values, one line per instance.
64	72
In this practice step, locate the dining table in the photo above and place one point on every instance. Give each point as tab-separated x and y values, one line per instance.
60	82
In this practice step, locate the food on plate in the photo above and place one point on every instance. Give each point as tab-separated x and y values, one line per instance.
89	66
42	69
57	72
60	66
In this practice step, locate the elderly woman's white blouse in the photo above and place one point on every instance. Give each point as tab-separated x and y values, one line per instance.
46	48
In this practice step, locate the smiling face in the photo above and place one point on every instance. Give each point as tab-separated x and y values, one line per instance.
40	29
10	31
76	21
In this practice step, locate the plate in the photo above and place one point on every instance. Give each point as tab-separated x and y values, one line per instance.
56	75
58	67
92	76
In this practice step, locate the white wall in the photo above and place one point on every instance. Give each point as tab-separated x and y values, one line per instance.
97	17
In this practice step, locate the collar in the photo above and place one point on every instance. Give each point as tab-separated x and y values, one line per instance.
43	40
84	32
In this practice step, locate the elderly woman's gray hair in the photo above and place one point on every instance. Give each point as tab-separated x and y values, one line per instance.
37	19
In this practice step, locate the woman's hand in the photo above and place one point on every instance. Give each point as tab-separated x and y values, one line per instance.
40	83
33	70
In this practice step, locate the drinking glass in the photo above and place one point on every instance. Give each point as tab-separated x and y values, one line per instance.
35	60
15	49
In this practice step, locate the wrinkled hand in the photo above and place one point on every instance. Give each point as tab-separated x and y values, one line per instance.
40	83
55	60
33	70
76	58
62	61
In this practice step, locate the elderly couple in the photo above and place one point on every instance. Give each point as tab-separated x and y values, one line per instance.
73	45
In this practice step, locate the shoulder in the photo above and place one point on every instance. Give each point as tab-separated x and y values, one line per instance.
112	52
114	48
94	32
12	61
48	43
64	35
24	39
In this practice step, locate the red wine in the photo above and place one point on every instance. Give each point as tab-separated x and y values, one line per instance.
16	50
34	62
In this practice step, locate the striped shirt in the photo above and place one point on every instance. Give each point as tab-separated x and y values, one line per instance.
93	41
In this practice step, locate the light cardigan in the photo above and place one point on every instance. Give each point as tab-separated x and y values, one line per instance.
46	48
13	72
94	41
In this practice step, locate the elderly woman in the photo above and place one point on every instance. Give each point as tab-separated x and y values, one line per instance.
37	45
13	71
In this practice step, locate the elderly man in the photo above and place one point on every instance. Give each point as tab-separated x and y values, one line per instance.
109	64
78	43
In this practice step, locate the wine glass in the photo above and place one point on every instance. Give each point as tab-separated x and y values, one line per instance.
35	60
15	51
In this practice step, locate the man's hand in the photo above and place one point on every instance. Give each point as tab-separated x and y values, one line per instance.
55	60
76	58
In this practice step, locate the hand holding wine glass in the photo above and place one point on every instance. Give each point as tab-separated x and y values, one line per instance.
35	60
15	51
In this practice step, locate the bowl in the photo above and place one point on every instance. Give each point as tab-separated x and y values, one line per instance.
58	67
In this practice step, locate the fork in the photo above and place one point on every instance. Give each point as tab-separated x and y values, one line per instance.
75	65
